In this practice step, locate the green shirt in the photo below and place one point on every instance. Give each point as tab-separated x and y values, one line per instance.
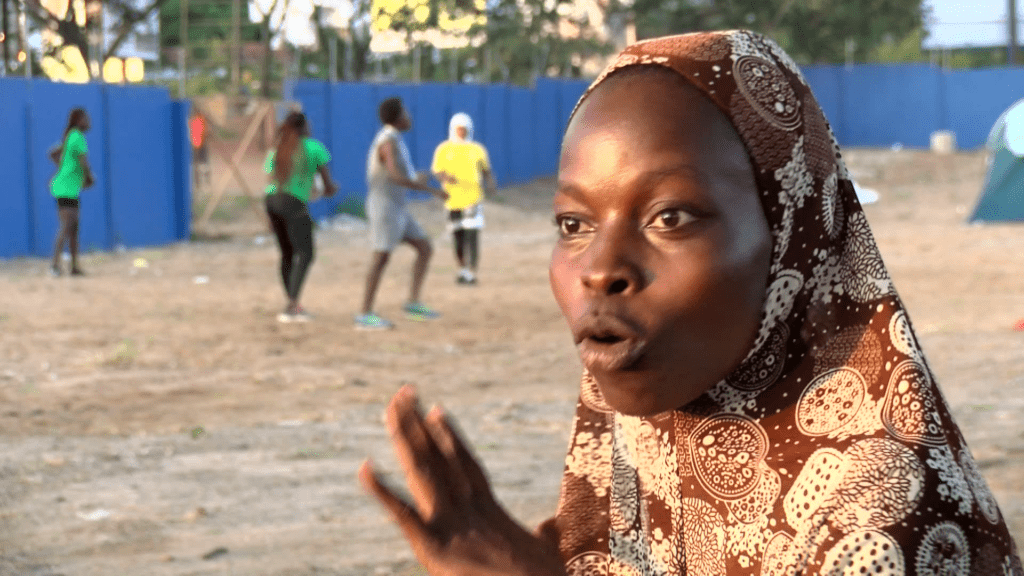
305	162
67	183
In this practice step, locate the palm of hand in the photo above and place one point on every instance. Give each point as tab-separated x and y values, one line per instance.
454	525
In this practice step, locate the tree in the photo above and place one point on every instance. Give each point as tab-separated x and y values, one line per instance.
812	31
529	37
128	14
515	40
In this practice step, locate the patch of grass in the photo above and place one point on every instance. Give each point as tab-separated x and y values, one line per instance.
125	354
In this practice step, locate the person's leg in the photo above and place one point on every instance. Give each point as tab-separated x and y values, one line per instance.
416	237
72	233
459	238
472	248
419	268
300	232
279	225
58	243
378	262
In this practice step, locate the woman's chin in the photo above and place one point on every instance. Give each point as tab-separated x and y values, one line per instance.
641	395
627	396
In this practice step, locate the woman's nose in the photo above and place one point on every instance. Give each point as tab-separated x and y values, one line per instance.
613	268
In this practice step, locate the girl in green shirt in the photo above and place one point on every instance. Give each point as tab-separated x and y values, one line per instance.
73	174
292	166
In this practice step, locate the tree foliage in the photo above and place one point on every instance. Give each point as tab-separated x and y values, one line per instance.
812	31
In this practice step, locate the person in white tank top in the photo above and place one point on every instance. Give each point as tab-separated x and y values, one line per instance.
389	176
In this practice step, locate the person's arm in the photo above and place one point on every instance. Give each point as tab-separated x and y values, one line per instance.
445	178
330	186
490	186
88	179
389	154
454	524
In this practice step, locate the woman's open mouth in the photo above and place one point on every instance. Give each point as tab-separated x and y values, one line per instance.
609	343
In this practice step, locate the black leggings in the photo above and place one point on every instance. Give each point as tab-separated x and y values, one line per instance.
67	212
467	247
294	230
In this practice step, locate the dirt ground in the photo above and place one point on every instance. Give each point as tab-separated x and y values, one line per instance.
156	420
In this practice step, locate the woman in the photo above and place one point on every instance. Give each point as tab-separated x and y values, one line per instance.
754	400
292	166
464	169
73	174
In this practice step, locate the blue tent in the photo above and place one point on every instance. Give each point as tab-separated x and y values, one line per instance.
1002	198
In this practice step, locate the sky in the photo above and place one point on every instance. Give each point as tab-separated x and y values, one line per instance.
959	23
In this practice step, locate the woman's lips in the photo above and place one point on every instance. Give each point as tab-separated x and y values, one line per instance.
608	343
609	356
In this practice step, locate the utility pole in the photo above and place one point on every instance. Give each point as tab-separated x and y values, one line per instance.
23	33
332	44
1011	48
6	39
236	47
183	49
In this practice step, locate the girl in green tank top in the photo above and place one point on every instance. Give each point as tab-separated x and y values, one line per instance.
73	174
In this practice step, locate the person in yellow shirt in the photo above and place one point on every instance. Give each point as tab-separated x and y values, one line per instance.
464	171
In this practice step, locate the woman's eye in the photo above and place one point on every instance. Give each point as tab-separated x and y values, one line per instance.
671	219
569	226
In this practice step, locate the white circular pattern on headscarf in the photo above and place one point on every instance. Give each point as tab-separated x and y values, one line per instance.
944	552
768	91
727	452
865	552
830	401
910	411
588	564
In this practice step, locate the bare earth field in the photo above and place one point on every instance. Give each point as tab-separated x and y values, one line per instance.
156	420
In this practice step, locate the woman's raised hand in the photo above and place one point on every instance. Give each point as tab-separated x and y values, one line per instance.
454	524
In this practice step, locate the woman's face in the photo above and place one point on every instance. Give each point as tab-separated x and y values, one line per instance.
83	124
662	261
461	132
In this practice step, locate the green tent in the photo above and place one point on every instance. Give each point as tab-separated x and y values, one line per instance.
1002	198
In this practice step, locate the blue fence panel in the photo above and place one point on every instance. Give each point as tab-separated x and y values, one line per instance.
141	178
976	99
433	103
15	202
495	139
894	104
827	84
48	117
521	148
356	122
181	164
547	127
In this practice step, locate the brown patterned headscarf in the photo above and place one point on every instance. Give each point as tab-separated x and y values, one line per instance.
830	449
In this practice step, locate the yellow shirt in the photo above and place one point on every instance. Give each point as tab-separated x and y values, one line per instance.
463	161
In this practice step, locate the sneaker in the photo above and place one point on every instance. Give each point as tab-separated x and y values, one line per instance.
419	311
77	272
55	271
297	315
371	321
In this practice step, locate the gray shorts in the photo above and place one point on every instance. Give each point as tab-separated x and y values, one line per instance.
388	230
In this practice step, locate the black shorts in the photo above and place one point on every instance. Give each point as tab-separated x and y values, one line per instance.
67	202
